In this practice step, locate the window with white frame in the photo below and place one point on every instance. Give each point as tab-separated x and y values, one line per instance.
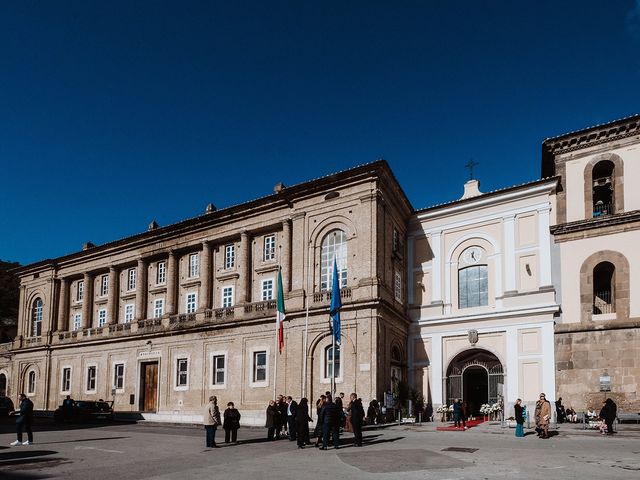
77	321
191	302
118	376
102	317
227	297
219	370
161	273
91	378
66	380
158	307
131	279
31	383
269	248
331	364
193	265
182	372
267	289
80	290
259	366
229	256
473	287
397	286
104	285
129	310
334	245
36	317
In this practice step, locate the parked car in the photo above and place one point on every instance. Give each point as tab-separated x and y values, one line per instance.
6	406
86	411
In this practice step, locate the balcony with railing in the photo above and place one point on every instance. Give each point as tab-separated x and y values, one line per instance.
603	303
601	209
325	297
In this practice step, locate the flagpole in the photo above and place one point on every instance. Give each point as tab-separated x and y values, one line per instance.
306	325
333	366
276	349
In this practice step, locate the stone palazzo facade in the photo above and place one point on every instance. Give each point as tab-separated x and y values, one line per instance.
159	321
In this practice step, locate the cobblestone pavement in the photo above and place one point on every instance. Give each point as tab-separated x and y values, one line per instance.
146	451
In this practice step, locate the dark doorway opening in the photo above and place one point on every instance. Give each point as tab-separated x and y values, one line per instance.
475	381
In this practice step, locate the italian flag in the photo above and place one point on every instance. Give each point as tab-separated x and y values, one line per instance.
280	316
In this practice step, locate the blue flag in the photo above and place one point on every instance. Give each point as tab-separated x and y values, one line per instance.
336	303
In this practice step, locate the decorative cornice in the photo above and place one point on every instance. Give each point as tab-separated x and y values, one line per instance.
596	223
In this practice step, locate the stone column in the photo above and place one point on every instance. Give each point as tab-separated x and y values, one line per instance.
285	260
87	301
113	295
172	272
300	250
141	290
63	305
544	240
204	298
436	370
23	327
509	234
244	267
436	269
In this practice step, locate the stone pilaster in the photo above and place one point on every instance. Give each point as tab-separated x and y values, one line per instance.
172	277
113	295
285	259
205	277
141	289
244	268
299	252
87	301
63	305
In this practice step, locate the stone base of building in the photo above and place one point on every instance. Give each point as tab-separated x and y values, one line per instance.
250	418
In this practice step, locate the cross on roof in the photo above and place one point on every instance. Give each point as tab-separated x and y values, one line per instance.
470	164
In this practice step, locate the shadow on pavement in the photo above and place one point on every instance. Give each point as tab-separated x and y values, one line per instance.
82	440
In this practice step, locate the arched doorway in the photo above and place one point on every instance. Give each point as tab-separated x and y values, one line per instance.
3	385
474	375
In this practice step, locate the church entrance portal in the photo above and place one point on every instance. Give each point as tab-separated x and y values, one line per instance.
475	376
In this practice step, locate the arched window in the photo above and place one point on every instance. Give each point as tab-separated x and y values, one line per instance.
603	292
331	364
473	290
36	318
3	385
31	383
603	188
334	245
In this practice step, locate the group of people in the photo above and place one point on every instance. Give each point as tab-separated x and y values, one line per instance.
460	414
230	422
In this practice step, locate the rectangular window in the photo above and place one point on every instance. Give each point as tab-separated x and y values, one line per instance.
66	379
269	247
91	378
128	312
118	376
102	317
80	291
397	286
267	289
396	240
473	287
193	265
131	279
191	302
227	297
77	321
181	372
104	285
229	256
259	366
161	273
158	307
218	370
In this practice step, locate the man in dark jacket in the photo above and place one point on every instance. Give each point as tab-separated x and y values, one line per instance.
292	409
356	411
23	420
609	413
330	423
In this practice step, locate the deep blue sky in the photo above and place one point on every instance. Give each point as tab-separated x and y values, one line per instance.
116	113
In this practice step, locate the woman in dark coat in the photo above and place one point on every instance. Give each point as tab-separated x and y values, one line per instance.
272	419
519	410
317	431
231	423
302	423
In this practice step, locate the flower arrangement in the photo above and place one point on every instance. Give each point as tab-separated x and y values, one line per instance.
442	409
490	409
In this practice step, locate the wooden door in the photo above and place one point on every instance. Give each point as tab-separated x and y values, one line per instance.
149	387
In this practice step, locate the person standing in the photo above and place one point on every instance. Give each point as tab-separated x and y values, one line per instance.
317	431
301	421
273	416
330	424
340	409
519	410
560	413
24	420
543	416
609	413
231	423
291	409
356	413
67	408
457	407
211	421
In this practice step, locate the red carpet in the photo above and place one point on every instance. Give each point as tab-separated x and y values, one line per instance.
451	428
